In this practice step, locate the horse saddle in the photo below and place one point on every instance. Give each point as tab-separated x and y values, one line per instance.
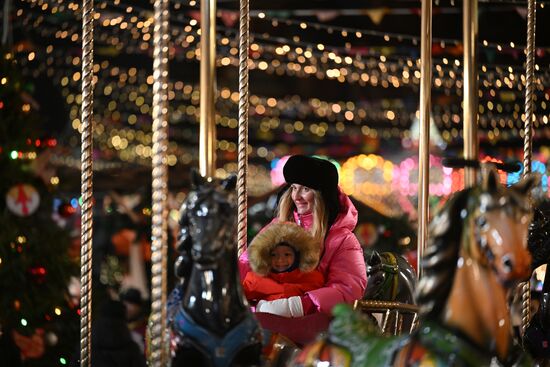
220	350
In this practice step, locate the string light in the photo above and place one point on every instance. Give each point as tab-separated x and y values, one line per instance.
291	57
386	36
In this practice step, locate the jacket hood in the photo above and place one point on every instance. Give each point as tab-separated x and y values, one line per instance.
347	215
260	248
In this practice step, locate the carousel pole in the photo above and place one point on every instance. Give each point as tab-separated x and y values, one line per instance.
242	175
528	137
86	186
6	23
207	135
470	29
424	144
159	351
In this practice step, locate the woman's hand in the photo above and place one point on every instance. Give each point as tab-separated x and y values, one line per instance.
286	307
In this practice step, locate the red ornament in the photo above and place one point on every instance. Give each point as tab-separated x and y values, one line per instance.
38	273
66	210
30	346
23	200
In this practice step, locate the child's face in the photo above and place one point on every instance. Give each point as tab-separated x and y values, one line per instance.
282	258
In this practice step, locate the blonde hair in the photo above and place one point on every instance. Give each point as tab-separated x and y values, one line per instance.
286	208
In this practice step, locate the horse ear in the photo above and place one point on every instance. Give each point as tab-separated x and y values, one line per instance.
229	183
183	237
527	184
196	179
375	258
490	180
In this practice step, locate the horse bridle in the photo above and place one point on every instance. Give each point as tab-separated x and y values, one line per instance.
481	223
390	281
225	223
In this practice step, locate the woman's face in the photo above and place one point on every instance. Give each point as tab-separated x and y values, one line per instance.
302	196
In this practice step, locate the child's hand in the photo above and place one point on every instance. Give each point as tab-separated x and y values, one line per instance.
286	307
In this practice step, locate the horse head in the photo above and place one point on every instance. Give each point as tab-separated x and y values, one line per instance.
501	223
539	236
390	278
207	223
382	277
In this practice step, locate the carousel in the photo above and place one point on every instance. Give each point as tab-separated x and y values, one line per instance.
468	299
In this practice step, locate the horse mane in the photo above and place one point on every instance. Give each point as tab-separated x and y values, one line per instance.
440	257
539	239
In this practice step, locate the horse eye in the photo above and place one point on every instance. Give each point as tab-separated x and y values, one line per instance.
183	221
482	222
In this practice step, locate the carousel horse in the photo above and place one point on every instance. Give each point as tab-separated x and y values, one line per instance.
209	319
537	336
539	235
477	253
390	278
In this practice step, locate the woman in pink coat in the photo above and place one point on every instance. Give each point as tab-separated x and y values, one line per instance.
314	201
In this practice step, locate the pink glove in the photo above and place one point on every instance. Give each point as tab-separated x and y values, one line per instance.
286	307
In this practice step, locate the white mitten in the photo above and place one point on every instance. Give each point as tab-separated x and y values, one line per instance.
295	305
286	307
260	304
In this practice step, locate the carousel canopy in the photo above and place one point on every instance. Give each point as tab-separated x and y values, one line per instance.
330	78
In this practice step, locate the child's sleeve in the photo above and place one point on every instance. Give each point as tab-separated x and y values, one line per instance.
257	287
308	281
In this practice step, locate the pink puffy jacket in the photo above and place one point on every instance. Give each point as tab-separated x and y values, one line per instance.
342	261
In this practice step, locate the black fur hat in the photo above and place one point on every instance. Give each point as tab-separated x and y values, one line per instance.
318	174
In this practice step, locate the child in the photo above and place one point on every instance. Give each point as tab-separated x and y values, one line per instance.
283	258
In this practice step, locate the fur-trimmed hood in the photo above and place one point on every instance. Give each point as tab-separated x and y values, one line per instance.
291	233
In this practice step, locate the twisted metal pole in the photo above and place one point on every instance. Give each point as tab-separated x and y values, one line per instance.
86	188
158	355
528	137
529	87
243	126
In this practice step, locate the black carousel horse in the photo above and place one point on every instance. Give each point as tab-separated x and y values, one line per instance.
209	319
391	278
537	336
476	256
539	235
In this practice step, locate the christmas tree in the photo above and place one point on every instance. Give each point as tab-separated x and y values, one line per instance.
39	322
